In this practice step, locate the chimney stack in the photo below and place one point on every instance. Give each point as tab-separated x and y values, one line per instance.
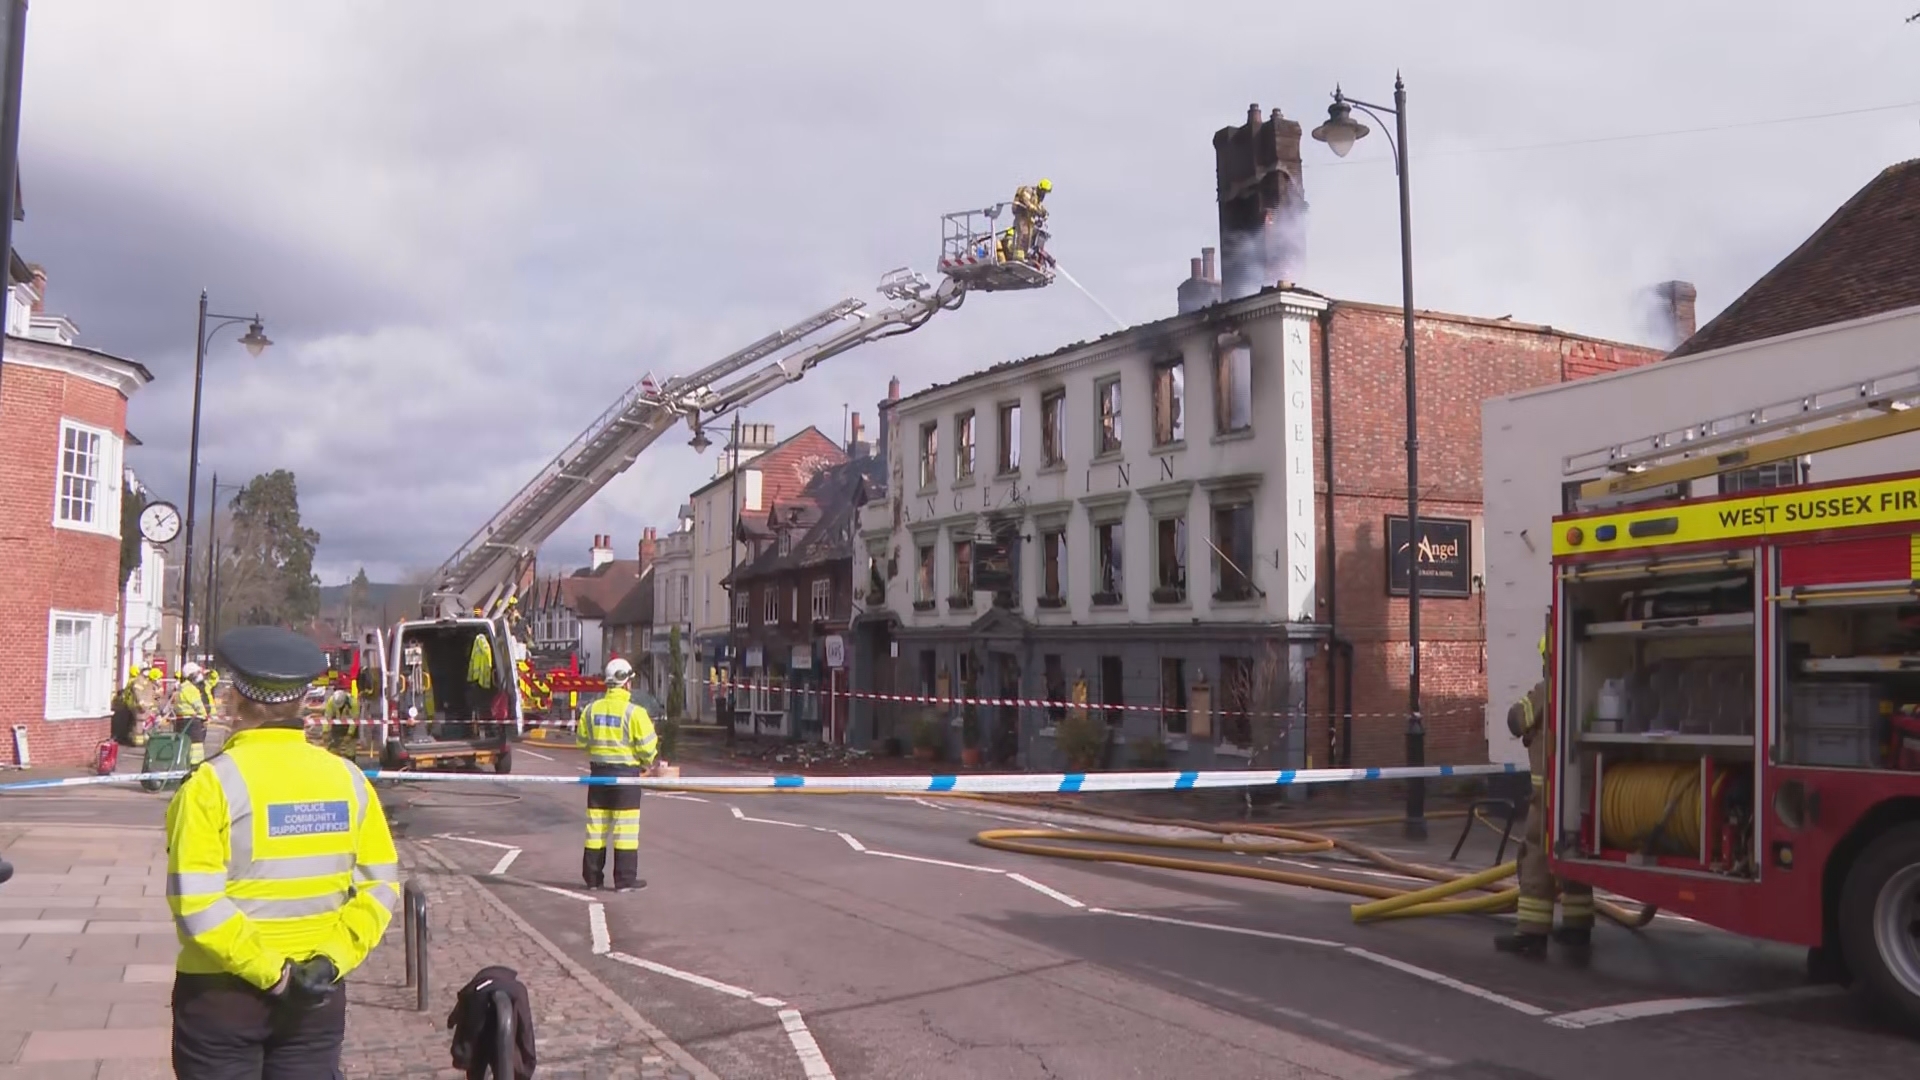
1676	304
886	417
1201	288
649	544
856	440
39	289
1257	171
602	552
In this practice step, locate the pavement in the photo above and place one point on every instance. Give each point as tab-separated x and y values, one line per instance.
87	948
813	937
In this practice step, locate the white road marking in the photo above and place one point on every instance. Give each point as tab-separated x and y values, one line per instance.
597	925
505	861
534	753
853	843
1640	1010
1046	891
935	862
738	813
770	1002
477	840
678	795
684	976
557	891
811	1060
1447	981
1269	934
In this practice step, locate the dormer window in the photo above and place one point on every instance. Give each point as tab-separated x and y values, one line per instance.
786	542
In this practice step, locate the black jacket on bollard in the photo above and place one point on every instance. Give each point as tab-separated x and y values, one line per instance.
472	1023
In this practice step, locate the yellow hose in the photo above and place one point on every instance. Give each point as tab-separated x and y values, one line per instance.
1275	840
1654	804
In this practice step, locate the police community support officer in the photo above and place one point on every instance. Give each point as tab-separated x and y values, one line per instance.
1527	719
619	739
281	875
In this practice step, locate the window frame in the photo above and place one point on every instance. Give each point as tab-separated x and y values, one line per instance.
1236	702
1224	383
1222	549
742	609
1170	385
1053	428
1007	420
1109	431
925	573
769	605
963	446
108	459
961	594
1109	572
820	599
1054	565
94	687
929	455
1163	591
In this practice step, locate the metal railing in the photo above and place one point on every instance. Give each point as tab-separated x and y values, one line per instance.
413	916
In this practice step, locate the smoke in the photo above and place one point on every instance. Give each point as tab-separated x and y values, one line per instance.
1276	251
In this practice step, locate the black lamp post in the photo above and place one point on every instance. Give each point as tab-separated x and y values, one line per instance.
1340	132
256	341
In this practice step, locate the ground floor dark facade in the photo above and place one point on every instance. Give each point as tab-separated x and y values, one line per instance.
1184	696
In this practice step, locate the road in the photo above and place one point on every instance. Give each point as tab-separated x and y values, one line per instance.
812	937
803	938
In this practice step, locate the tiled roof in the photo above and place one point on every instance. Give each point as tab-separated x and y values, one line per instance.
636	608
789	465
825	532
1863	261
593	593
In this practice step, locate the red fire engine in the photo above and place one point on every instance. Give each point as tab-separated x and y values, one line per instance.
1737	690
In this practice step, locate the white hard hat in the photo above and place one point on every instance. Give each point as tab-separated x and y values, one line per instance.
189	669
619	670
341	697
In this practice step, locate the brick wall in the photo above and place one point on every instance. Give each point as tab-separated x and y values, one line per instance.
47	567
1462	362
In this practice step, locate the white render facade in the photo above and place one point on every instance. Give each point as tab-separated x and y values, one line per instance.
1160	484
673	607
1527	436
142	610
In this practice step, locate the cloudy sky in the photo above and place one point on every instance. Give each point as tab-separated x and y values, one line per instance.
470	224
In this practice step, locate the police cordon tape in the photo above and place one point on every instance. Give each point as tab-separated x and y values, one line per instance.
984	783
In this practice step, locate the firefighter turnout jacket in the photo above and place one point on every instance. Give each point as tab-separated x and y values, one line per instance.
615	731
192	701
277	851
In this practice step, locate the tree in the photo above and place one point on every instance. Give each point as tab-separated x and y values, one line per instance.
359	592
266	565
676	675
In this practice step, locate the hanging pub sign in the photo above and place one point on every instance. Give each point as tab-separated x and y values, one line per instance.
1443	551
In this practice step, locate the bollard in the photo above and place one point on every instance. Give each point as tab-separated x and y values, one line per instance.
421	938
502	1036
406	928
6	871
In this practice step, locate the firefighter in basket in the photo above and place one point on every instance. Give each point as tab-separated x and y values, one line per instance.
1527	719
1029	214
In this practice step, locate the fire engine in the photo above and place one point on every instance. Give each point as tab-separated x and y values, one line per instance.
1736	687
473	593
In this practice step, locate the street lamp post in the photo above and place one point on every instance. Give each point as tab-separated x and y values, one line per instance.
256	341
1340	132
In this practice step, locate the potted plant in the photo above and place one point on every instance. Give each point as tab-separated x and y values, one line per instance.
1081	738
929	736
1149	752
970	754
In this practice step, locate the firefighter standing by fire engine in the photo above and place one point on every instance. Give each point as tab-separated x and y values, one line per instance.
619	739
1527	719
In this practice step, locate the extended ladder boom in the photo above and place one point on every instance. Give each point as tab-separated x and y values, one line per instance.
1846	415
488	568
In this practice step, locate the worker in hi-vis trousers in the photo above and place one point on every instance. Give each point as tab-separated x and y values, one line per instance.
619	739
1527	719
192	708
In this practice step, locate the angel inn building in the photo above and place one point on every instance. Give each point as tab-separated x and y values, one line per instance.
1135	513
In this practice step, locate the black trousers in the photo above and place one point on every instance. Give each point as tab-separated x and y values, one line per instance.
226	1029
613	815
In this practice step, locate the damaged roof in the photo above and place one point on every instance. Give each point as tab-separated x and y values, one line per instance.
1864	260
823	533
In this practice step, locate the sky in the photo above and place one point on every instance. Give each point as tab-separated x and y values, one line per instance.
469	225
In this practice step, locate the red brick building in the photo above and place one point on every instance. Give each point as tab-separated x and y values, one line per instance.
1359	427
63	433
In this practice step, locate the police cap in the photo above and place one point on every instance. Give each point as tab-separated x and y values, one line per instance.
271	665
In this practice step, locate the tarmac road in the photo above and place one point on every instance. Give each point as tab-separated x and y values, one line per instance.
813	937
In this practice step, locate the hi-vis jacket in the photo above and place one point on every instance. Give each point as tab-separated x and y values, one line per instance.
615	731
277	850
480	662
191	701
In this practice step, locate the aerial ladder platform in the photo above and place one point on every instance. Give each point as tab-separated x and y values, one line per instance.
496	563
1846	415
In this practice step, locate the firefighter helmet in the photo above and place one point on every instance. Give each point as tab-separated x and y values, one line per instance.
1046	185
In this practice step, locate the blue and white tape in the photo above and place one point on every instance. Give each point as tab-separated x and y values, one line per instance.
981	783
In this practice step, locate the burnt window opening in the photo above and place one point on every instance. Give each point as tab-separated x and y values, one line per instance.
1106	395
923	576
1170	558
1113	691
963	446
1173	695
1236	701
1053	567
962	594
1009	436
1109	542
1233	551
1056	675
1169	402
1053	427
1233	388
929	454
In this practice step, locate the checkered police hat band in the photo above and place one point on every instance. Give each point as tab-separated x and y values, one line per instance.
267	695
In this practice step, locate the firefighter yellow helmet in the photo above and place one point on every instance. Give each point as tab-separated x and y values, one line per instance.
1543	646
1046	185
